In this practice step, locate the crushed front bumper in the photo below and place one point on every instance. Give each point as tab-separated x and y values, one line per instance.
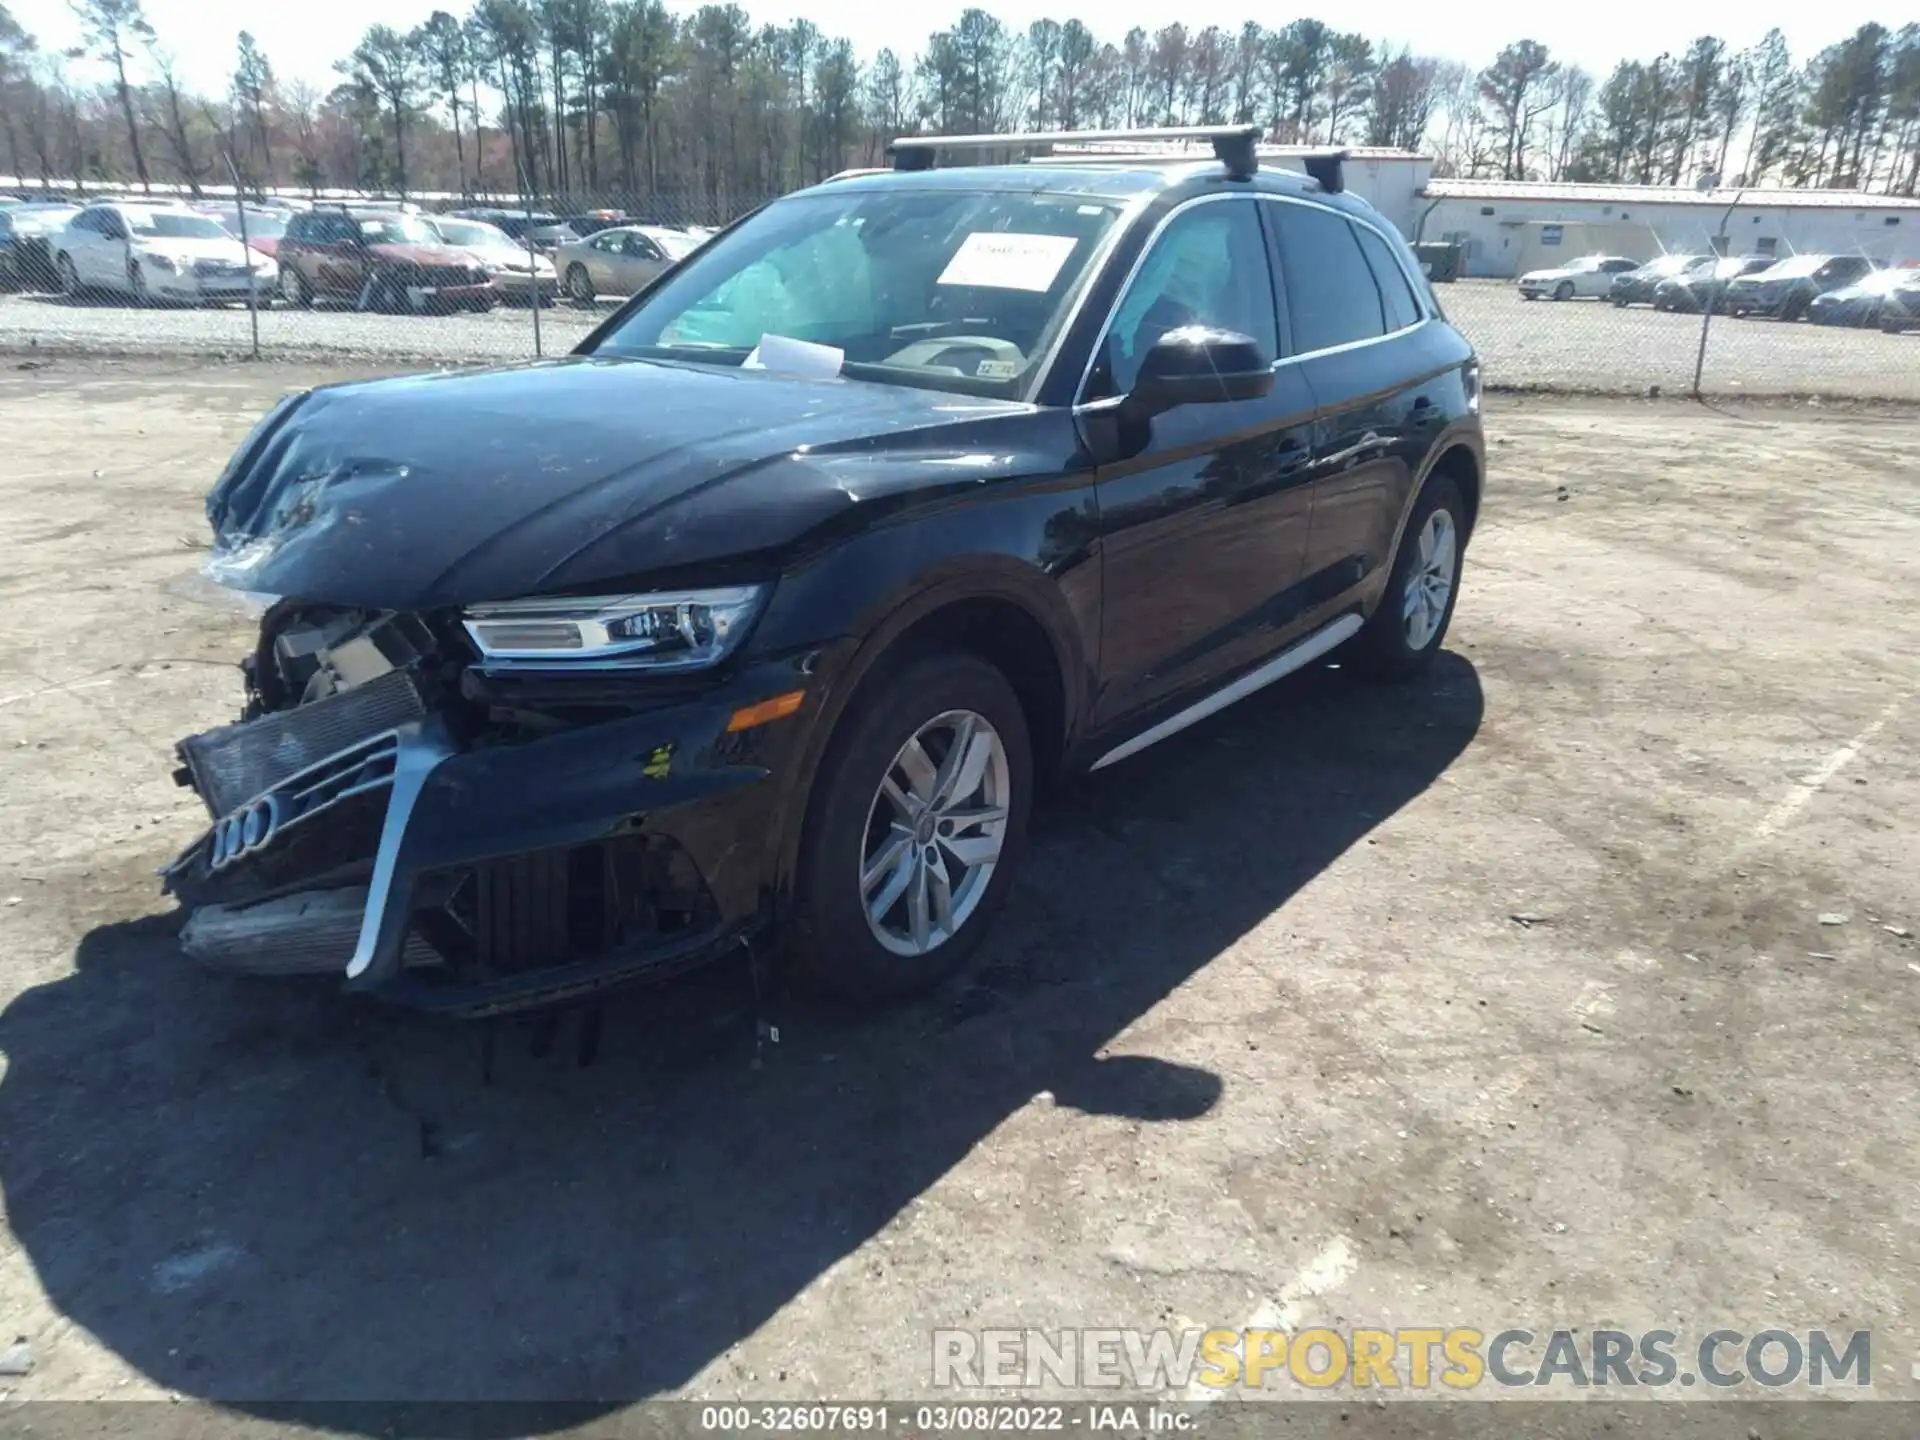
472	878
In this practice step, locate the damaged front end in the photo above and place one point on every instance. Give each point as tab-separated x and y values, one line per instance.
386	811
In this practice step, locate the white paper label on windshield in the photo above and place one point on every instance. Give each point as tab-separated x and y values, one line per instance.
795	357
1004	260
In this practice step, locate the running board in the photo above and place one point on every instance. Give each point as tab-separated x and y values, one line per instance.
1282	665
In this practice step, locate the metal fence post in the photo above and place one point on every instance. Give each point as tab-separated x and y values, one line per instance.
246	253
533	266
1713	295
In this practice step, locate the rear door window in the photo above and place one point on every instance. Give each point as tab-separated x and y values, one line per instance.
1331	295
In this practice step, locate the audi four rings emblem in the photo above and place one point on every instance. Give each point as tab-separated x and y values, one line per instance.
245	831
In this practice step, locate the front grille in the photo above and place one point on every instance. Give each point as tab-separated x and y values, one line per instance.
233	764
450	275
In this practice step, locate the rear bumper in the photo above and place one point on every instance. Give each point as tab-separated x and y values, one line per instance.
522	287
451	297
471	879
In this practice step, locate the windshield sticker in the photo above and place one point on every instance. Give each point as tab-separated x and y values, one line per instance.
1002	260
795	357
996	370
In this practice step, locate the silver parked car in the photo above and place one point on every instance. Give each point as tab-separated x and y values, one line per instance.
621	261
516	275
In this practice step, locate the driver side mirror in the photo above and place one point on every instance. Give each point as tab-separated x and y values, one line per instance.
1200	365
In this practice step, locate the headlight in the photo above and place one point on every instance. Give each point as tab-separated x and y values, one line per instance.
687	630
157	260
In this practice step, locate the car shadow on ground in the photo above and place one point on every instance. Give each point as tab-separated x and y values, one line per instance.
261	1194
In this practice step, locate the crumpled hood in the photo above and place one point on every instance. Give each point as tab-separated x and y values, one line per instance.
453	489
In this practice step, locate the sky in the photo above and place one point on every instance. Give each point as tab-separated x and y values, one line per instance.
303	38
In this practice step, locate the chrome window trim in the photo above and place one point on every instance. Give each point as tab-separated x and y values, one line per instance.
1122	222
1420	295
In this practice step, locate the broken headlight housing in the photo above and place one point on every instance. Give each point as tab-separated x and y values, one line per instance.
683	630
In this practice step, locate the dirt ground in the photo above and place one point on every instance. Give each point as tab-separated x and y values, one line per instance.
1572	986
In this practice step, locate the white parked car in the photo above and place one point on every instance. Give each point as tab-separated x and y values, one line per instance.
1589	278
159	252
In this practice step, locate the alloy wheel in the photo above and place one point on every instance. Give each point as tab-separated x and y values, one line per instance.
1430	582
934	832
69	277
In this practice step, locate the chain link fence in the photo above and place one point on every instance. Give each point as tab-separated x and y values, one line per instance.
430	292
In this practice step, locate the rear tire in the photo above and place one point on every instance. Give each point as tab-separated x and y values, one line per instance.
1410	623
885	856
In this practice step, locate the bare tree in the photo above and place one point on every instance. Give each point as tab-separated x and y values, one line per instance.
112	28
1516	86
173	117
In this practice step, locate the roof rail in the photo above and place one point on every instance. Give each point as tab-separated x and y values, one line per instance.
1233	145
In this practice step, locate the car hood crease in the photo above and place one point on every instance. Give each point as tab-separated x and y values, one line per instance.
452	489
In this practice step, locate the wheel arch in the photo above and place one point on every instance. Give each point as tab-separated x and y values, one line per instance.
991	613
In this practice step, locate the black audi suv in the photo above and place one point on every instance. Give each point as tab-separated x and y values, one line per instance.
763	618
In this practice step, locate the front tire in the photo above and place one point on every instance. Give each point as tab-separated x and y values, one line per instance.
915	830
1407	628
69	278
579	285
294	288
1563	291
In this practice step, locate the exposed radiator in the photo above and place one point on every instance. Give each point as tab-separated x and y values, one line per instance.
233	764
309	934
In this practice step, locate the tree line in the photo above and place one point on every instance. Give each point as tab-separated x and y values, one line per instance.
578	97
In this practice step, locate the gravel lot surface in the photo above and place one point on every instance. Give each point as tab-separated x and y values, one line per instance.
1581	345
1574	985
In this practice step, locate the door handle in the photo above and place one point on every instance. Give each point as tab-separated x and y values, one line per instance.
1369	441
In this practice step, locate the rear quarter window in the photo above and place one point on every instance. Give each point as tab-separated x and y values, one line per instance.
1397	299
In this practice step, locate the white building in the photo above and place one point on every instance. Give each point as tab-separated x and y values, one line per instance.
1507	225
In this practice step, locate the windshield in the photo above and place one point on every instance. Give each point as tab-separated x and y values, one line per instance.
943	289
1669	265
396	230
1727	269
1798	265
41	217
259	227
474	234
1881	282
677	246
167	225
